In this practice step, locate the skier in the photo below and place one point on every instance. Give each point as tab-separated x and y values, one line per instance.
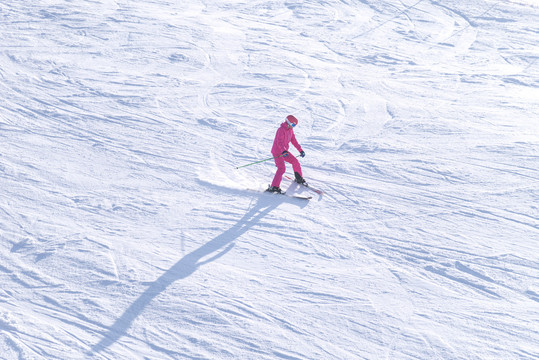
284	136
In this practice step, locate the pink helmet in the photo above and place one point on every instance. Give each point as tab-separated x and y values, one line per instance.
291	120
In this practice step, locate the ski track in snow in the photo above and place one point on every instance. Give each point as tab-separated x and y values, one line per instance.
127	233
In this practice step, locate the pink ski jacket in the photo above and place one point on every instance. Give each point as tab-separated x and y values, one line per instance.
283	137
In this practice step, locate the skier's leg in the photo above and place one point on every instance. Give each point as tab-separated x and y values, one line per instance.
281	168
295	164
297	169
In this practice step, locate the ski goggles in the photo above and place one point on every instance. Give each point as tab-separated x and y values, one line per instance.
290	123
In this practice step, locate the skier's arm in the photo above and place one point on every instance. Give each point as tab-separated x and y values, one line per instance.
296	144
281	140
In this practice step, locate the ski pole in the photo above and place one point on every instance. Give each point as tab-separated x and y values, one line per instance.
258	162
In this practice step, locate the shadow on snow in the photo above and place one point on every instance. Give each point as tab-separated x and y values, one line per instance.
187	265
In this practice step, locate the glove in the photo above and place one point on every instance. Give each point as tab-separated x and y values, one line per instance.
285	153
302	153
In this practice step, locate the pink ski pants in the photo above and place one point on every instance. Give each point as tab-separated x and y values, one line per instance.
281	168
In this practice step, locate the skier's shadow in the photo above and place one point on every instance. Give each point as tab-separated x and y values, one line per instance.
187	265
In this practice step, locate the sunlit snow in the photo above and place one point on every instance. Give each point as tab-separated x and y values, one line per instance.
126	231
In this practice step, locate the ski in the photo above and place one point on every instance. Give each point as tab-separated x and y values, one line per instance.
319	192
302	197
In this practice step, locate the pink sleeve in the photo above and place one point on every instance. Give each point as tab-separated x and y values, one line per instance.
280	137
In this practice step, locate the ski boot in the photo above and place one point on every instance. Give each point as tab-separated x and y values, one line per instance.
274	189
299	179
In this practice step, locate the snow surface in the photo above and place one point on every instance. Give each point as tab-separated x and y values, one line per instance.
127	233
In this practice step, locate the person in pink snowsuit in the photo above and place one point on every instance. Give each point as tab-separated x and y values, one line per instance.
283	138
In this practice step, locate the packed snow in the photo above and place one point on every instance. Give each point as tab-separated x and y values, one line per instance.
126	231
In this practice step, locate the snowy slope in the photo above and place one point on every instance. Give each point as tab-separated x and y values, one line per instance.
126	231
